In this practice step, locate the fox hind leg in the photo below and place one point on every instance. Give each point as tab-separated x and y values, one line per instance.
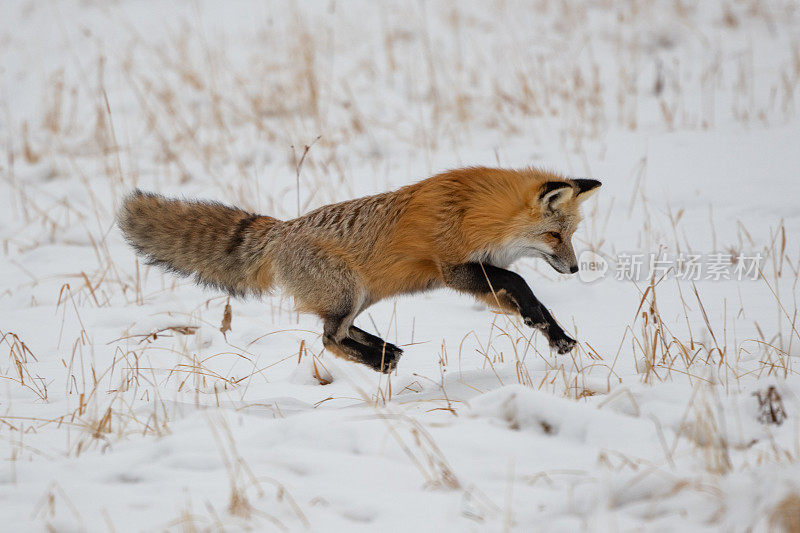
336	296
349	342
369	339
379	359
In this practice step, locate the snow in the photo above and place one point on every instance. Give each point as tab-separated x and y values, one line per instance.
123	406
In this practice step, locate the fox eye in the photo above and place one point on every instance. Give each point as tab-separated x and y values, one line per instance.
554	234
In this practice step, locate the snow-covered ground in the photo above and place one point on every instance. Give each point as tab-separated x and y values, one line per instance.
124	407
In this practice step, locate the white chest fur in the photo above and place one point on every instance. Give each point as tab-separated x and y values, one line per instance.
504	256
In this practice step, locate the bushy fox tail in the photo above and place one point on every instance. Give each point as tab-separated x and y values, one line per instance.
222	246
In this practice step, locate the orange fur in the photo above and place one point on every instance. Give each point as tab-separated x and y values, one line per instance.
492	207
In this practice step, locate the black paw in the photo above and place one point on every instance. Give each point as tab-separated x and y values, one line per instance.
562	344
382	358
385	360
389	347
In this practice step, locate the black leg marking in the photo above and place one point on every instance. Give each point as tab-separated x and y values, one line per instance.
485	280
380	359
359	346
369	339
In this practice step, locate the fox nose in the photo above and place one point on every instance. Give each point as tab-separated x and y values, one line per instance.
573	269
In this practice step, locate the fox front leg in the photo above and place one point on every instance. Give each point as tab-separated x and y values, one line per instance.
502	288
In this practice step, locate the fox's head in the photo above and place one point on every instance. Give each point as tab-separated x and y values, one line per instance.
536	220
508	214
554	218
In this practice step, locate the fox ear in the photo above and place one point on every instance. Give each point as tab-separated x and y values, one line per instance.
585	188
554	193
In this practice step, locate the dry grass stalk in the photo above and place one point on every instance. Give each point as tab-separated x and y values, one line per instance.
770	404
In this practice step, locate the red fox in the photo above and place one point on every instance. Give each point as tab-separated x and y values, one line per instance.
459	229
